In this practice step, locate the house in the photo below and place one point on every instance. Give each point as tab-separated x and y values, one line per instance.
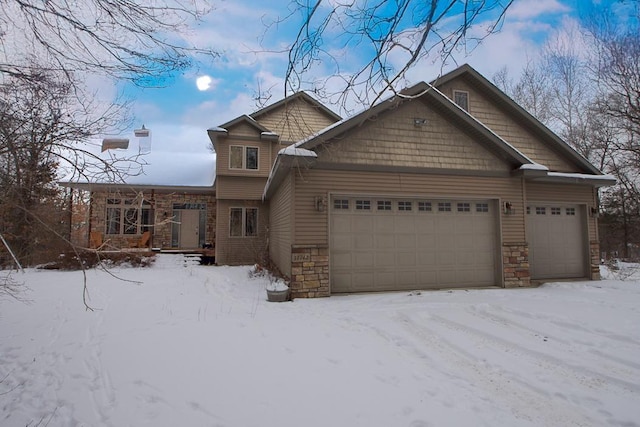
158	199
448	184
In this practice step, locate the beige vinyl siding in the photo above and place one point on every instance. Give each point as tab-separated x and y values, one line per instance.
240	250
311	226
244	129
485	110
295	121
280	226
394	140
222	157
240	187
565	193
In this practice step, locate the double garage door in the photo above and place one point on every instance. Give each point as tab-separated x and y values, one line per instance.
555	233
380	244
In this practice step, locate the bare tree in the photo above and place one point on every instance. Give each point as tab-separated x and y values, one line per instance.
134	40
532	91
42	127
392	36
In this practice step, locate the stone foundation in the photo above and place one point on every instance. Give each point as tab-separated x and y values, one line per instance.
515	264
309	271
594	256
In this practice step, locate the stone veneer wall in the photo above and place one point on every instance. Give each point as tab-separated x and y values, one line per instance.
594	252
309	271
163	209
515	264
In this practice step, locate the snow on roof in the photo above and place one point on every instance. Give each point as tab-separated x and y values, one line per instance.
156	168
292	150
533	166
605	177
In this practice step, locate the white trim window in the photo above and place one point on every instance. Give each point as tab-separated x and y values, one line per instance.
243	157
243	222
127	216
461	98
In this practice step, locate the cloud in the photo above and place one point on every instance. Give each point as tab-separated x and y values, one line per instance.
528	9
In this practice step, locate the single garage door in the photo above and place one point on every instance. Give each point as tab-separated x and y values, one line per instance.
555	233
381	244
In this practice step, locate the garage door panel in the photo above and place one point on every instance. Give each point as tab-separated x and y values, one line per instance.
363	241
406	249
557	246
362	224
406	259
405	241
361	260
383	224
341	261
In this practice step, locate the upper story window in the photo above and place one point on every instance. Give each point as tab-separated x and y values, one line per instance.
241	157
461	98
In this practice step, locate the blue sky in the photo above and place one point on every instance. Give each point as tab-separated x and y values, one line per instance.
254	57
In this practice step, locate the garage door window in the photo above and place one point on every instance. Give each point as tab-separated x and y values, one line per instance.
444	207
464	207
556	211
424	206
571	211
384	205
482	207
541	210
363	205
404	206
341	204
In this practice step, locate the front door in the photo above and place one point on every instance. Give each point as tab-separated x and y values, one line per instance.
189	228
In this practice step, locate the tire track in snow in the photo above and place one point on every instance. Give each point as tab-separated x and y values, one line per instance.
524	401
622	367
471	376
548	361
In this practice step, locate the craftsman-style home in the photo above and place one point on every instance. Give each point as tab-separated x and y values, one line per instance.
450	184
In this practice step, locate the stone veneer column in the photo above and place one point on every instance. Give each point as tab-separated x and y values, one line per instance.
594	256
309	271
515	264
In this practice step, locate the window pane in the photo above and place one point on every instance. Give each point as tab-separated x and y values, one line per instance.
363	205
235	157
113	221
464	207
235	222
444	207
252	158
130	221
483	207
384	205
145	220
424	206
571	211
251	223
404	206
341	204
556	211
462	99
175	228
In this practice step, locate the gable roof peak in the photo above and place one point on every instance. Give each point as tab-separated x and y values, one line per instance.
301	95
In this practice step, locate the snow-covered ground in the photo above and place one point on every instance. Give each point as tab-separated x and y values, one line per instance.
200	346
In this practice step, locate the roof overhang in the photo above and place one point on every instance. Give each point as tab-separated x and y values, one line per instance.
137	187
577	178
287	159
